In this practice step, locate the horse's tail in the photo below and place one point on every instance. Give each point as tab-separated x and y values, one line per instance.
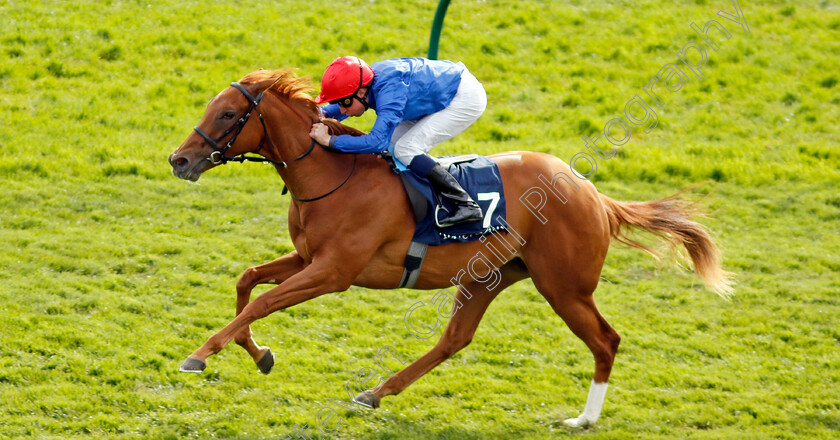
669	219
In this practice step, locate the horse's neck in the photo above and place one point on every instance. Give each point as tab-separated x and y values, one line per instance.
319	170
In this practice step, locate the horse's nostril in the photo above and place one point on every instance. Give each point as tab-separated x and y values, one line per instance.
181	162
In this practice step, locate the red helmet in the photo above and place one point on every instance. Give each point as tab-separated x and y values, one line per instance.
344	77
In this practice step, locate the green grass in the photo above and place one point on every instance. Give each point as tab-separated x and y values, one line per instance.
113	271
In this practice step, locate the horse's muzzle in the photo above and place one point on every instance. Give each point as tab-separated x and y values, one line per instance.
184	168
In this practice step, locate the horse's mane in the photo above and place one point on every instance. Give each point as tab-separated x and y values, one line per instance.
285	83
338	128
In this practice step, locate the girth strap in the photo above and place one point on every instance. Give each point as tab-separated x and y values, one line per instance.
413	262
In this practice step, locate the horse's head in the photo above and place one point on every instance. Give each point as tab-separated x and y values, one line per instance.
234	124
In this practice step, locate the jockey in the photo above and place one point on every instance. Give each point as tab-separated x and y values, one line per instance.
419	103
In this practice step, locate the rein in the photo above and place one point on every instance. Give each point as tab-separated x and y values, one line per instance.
217	157
285	189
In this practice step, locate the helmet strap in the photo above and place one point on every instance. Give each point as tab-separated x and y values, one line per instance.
363	100
361	85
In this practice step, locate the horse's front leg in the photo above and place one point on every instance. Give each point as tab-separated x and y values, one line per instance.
474	298
313	281
274	272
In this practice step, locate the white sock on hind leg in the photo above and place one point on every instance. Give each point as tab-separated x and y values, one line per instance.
592	410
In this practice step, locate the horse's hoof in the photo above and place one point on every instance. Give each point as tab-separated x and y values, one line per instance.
367	399
266	362
578	422
192	365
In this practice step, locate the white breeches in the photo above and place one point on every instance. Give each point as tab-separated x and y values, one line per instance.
412	138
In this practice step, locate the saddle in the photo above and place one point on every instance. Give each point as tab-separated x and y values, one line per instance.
479	176
418	201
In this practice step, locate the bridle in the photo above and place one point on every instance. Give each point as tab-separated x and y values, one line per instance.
218	157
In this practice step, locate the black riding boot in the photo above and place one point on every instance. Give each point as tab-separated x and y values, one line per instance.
449	188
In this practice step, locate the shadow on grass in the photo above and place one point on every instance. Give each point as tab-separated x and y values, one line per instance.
829	421
394	427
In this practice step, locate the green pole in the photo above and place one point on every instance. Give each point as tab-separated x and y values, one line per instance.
437	25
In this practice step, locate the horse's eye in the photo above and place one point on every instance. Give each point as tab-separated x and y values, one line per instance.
228	115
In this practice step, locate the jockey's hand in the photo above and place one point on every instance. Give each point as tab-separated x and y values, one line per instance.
320	133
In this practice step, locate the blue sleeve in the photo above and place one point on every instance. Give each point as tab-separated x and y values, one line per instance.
332	111
390	105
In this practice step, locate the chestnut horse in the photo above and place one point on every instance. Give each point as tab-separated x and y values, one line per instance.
351	224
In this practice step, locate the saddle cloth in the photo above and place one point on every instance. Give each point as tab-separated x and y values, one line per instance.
479	176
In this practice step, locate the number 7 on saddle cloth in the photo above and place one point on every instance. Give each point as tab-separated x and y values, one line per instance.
478	175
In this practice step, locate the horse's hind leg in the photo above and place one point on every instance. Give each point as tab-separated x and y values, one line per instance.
274	272
584	319
569	292
458	334
579	312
